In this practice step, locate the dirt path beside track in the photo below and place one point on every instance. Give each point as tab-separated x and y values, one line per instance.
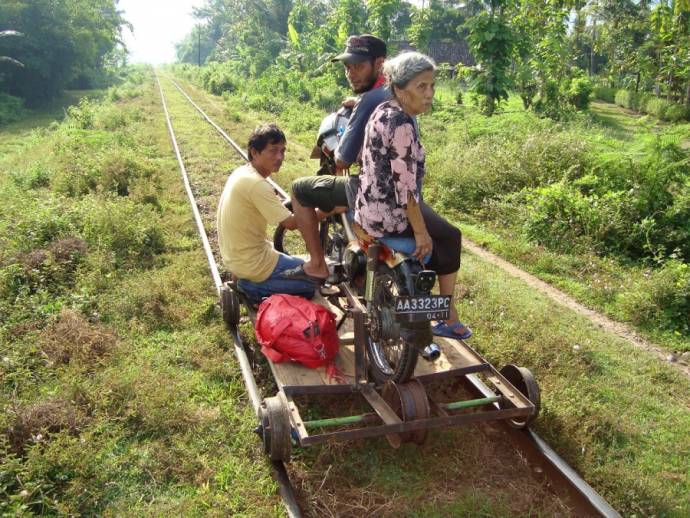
619	329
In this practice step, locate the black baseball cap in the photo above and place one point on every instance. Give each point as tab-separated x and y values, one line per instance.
361	48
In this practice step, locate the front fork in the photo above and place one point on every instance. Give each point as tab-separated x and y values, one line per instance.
417	334
372	266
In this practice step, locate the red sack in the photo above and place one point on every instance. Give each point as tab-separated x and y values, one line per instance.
290	328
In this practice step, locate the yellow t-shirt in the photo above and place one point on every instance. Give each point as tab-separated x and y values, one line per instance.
247	205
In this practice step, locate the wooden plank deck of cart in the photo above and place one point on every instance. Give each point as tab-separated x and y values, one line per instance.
403	412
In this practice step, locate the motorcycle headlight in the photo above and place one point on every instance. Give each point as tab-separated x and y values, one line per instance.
425	281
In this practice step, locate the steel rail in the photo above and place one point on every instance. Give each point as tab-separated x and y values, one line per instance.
536	449
220	130
279	472
195	209
567	482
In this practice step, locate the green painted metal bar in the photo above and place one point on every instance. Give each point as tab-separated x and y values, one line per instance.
335	421
354	419
471	403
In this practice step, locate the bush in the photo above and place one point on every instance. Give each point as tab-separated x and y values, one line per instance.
497	165
656	106
640	101
11	108
35	176
126	91
579	92
218	78
676	112
661	299
638	208
604	93
97	165
52	269
82	116
626	99
36	220
560	217
129	231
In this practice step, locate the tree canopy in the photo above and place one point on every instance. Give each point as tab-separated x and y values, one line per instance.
543	49
64	43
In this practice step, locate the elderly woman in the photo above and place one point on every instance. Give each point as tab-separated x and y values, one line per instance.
389	202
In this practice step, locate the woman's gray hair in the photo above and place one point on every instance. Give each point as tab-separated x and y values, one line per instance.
403	67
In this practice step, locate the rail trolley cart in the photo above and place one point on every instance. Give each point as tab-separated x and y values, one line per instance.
403	412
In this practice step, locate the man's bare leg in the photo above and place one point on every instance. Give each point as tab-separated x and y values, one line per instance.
308	225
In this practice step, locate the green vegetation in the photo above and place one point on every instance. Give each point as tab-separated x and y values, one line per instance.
553	54
105	292
118	390
609	213
549	175
61	44
645	103
11	108
601	197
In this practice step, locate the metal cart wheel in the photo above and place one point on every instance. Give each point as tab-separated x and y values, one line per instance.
410	402
523	380
230	305
274	428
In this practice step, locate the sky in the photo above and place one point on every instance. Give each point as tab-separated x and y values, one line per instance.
158	25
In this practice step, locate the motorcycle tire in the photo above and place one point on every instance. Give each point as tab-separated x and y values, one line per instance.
280	242
393	358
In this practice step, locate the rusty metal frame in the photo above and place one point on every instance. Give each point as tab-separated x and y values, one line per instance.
432	423
382	412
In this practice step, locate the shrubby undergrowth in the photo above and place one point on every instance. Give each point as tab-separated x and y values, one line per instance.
297	98
644	102
574	191
77	201
103	296
11	108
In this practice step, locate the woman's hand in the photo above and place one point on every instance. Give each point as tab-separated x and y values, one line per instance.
424	245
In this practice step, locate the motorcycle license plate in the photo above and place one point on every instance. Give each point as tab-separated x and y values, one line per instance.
419	309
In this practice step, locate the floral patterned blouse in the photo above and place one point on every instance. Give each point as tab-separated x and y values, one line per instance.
392	170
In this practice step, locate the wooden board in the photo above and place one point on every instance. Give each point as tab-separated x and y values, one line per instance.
453	355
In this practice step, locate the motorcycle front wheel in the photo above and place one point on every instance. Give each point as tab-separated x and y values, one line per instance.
391	358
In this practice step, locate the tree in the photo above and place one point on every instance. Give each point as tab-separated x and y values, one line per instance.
8	59
670	27
492	41
65	41
381	13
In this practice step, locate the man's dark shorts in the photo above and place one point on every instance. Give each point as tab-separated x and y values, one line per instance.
324	192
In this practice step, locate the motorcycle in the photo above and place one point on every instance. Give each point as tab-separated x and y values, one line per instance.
395	288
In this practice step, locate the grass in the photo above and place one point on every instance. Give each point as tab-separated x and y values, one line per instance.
54	111
119	390
615	413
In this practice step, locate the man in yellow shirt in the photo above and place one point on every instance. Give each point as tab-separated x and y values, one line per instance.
248	204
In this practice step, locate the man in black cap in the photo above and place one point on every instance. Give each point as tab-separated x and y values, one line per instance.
363	58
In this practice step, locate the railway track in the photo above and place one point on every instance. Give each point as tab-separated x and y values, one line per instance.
582	499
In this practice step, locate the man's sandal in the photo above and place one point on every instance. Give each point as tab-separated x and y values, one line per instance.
298	274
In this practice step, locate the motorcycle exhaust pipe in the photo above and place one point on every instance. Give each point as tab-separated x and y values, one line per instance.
431	352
